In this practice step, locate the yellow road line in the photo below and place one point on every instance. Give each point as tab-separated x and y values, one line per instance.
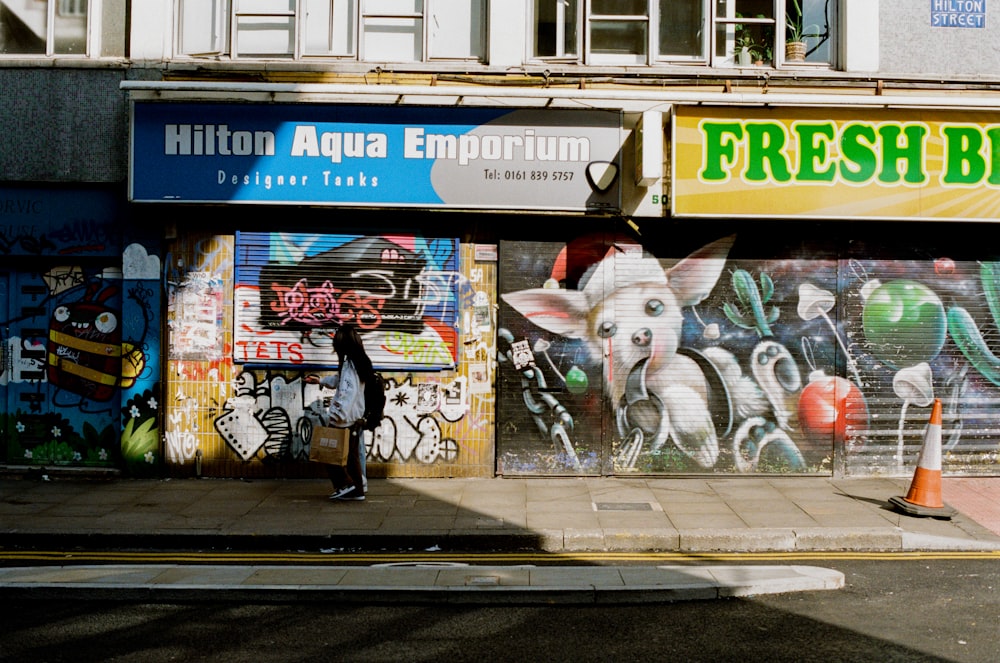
337	557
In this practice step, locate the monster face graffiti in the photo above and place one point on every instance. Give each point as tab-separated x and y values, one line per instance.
85	351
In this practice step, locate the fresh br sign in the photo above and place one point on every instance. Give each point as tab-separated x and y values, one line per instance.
850	163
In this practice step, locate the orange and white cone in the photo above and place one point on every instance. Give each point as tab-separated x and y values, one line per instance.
924	496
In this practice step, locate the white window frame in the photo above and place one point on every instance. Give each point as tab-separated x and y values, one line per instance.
418	17
225	37
218	39
238	12
353	47
561	54
590	18
833	39
706	43
710	43
73	7
68	9
727	24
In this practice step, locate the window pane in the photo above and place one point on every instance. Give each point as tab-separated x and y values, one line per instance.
395	39
393	7
731	33
71	27
747	8
555	28
265	6
725	37
456	28
682	28
618	37
265	35
815	27
265	28
618	7
22	31
203	26
329	27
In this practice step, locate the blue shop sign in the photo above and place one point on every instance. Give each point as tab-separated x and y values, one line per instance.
470	158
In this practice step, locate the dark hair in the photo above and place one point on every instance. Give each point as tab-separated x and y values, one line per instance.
348	345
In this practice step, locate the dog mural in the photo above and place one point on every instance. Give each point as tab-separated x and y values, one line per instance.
628	312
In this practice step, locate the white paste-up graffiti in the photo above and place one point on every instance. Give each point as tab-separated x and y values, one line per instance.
274	418
410	429
258	418
195	326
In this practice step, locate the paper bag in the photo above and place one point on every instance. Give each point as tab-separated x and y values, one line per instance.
329	445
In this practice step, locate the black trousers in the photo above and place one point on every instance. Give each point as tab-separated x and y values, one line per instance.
349	474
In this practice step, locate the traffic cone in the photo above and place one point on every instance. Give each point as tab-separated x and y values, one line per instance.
924	496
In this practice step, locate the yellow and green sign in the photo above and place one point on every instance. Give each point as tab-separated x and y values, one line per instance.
841	163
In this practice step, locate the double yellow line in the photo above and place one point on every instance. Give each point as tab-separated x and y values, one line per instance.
337	557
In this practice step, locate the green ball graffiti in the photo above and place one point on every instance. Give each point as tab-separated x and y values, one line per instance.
576	381
904	323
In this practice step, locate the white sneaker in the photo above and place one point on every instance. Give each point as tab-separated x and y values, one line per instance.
340	492
353	496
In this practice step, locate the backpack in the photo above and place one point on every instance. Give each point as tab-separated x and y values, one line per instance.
374	401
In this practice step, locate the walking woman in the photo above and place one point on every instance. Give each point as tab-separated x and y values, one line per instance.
347	410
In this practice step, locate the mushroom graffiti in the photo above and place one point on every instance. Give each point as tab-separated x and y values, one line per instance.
816	303
914	385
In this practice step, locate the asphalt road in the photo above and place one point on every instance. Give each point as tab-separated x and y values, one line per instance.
906	609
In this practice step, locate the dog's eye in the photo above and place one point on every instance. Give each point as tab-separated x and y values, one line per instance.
654	307
607	329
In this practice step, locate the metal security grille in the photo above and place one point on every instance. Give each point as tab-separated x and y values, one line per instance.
293	290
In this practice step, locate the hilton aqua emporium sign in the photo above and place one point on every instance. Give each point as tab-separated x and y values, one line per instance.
313	154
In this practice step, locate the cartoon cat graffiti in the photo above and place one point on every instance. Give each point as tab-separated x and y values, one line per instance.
628	311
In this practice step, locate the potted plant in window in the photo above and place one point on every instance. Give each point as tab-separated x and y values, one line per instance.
795	45
742	44
745	50
762	55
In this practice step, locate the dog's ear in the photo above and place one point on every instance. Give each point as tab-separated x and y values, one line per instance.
557	310
694	277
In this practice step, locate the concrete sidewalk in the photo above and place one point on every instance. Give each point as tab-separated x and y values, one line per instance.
712	514
567	516
453	583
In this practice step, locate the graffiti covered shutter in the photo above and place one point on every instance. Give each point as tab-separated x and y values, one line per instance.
294	289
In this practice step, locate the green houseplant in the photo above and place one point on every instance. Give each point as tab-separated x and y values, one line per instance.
748	48
795	45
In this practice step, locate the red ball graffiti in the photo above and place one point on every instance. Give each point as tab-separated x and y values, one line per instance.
827	405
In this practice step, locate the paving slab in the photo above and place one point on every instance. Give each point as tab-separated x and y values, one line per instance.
416	583
710	514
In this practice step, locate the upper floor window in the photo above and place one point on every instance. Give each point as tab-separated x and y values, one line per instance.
371	30
717	32
43	27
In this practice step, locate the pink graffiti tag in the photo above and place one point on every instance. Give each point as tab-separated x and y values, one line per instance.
316	307
323	305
